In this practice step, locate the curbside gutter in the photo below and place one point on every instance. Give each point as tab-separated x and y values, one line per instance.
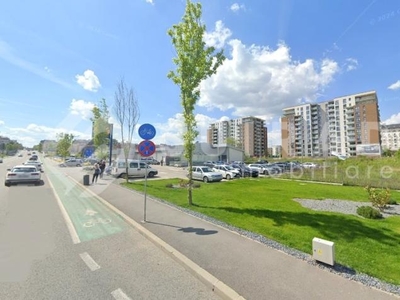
218	287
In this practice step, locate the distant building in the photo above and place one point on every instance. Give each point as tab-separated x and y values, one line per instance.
248	134
275	151
390	137
335	127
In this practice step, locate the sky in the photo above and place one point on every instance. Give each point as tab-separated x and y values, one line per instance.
58	59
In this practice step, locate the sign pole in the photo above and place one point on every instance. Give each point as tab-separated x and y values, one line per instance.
146	148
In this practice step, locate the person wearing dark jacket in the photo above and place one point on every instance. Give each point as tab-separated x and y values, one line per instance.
102	168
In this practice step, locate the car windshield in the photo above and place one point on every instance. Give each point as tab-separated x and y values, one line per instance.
206	169
23	170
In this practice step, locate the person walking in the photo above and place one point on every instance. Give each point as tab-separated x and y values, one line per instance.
96	173
102	168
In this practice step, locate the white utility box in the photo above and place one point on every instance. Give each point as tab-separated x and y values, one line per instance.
323	251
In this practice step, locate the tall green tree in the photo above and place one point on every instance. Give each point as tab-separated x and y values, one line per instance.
64	143
101	127
194	63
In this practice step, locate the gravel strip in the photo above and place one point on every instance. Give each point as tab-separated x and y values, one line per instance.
342	206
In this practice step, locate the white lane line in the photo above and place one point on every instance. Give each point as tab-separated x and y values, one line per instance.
70	225
89	261
120	295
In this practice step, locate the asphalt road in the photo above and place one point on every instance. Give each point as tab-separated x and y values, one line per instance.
106	259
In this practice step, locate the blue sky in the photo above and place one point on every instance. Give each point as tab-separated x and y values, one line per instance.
59	58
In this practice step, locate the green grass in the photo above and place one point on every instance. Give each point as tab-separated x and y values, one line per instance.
361	171
265	206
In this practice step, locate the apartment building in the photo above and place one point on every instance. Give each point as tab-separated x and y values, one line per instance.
335	127
248	134
390	137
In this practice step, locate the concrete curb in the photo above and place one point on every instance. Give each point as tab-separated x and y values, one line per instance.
213	283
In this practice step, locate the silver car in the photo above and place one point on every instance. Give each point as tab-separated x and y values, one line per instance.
35	163
23	174
205	174
72	163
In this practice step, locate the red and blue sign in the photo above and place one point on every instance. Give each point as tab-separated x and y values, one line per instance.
147	147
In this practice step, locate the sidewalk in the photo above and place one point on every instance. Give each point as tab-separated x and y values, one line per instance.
253	270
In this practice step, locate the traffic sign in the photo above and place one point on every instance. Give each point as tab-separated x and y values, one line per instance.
146	148
147	131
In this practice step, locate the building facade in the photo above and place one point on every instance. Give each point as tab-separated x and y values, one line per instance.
248	134
390	137
334	127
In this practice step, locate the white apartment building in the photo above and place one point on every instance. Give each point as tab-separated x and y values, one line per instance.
248	134
334	127
390	137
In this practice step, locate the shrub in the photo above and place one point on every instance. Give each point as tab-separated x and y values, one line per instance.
392	202
379	197
369	212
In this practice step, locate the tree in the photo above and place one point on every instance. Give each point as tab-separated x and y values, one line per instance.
64	142
195	62
101	127
127	113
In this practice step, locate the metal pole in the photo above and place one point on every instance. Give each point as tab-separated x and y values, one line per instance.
111	144
145	194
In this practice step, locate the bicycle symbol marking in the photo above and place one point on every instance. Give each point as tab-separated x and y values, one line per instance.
93	222
147	131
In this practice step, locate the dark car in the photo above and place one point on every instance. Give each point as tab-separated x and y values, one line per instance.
245	171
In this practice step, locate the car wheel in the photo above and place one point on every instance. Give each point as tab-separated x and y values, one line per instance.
150	175
122	175
205	179
7	184
228	177
78	165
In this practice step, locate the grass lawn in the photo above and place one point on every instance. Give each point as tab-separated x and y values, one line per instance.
265	206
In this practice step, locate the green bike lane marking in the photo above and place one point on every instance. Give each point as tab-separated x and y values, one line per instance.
90	218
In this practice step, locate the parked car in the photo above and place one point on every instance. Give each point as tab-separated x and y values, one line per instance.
205	174
271	170
245	171
258	167
227	171
22	174
150	160
35	163
72	163
136	168
309	165
1	160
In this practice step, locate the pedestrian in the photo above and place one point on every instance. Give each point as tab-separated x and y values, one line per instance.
162	162
102	168
96	172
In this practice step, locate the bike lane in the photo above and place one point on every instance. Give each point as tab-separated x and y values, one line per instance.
90	218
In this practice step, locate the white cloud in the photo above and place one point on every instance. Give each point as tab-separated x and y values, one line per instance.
88	81
394	86
235	7
81	108
150	1
217	37
32	134
394	119
258	81
351	64
2	123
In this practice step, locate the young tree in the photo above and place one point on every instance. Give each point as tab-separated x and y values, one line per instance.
195	62
64	143
100	124
127	113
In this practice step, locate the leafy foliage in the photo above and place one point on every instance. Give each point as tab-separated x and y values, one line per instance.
379	198
64	142
101	127
369	212
195	62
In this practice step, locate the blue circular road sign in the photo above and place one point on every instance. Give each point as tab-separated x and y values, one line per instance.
146	148
147	131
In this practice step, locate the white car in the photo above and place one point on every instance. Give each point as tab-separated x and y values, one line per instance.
23	174
136	168
35	163
309	165
205	174
227	172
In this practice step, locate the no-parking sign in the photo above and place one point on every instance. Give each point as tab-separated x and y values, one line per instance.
146	148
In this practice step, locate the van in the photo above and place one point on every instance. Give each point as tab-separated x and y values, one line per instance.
136	168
